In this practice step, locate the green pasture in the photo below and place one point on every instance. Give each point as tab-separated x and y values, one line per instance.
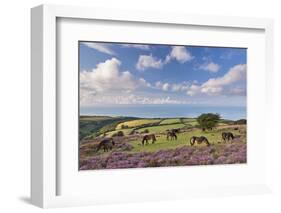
137	122
214	137
170	121
183	138
190	121
161	128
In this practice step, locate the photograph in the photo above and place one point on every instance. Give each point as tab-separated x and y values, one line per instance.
161	105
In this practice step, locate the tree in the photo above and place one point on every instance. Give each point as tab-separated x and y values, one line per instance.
208	120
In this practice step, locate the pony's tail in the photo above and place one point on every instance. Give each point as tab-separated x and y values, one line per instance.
191	141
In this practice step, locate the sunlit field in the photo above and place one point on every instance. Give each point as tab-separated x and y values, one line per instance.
130	152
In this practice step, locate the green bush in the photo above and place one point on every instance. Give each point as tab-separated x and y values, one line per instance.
207	121
118	134
145	131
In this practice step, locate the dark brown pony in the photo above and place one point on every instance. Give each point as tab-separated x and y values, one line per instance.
107	144
171	135
199	140
146	138
227	136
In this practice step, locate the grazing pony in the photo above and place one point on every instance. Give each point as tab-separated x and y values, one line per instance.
199	140
172	135
107	144
146	138
227	136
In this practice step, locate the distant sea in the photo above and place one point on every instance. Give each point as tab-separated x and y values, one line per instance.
165	111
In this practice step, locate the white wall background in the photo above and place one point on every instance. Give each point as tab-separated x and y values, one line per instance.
15	103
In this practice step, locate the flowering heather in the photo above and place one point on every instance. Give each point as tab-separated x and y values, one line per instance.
121	157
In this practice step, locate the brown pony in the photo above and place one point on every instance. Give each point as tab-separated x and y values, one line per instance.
171	134
146	138
227	136
199	140
107	144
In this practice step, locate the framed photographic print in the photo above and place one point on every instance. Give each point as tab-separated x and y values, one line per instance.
149	106
186	108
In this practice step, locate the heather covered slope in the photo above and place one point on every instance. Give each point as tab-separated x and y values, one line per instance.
128	151
182	156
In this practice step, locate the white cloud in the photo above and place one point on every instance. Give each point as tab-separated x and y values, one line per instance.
211	67
180	87
148	61
138	46
179	53
106	78
236	73
219	86
193	90
135	99
101	47
176	87
144	83
166	87
237	91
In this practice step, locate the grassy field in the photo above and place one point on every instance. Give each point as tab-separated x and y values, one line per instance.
190	121
93	126
162	128
137	122
131	152
170	121
214	138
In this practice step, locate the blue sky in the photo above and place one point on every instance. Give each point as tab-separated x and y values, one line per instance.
115	73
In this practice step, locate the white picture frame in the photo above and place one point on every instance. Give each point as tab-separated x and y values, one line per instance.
44	149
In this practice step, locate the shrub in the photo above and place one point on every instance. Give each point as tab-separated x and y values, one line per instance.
145	131
118	134
124	126
208	120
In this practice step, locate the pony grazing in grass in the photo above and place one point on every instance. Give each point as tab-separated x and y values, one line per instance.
146	138
227	136
171	134
107	144
199	140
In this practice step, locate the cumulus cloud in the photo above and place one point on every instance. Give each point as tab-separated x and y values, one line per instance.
193	90
138	46
148	61
172	87
179	53
179	87
219	86
166	86
235	73
101	47
107	78
210	67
